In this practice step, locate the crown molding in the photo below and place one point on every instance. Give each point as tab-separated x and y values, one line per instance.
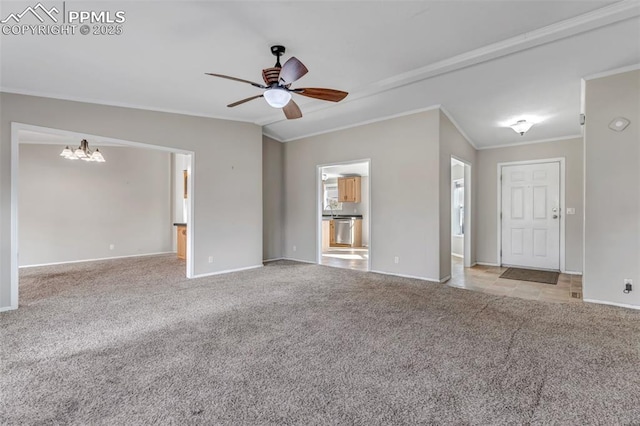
559	139
615	71
458	128
35	93
360	123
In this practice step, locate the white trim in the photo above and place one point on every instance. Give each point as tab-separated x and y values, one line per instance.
458	128
8	308
275	138
620	305
612	72
468	208
456	254
272	260
562	138
473	264
227	271
15	141
562	188
445	279
363	123
117	104
572	272
431	280
319	207
68	262
300	260
486	264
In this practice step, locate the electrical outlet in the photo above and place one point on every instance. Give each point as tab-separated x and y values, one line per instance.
628	285
112	246
396	259
210	259
295	248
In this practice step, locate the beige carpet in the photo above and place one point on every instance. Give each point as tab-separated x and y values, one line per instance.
133	342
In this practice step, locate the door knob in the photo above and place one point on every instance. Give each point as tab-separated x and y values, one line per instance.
555	216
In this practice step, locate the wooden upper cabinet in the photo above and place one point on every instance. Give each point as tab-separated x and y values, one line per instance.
349	189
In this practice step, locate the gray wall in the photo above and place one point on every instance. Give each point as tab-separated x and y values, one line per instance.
452	143
74	210
273	197
612	210
228	172
404	190
487	211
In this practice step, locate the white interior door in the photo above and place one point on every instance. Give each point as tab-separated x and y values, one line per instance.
531	215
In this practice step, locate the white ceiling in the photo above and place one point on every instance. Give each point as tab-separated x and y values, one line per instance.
487	63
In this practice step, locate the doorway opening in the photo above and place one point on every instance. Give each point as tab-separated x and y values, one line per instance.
90	225
460	216
344	215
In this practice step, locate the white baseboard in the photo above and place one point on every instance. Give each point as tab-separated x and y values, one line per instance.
572	272
272	260
445	279
457	255
486	264
620	305
94	260
299	260
433	280
8	308
473	264
227	271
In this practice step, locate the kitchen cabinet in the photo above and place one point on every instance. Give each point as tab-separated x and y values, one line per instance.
182	241
349	189
326	234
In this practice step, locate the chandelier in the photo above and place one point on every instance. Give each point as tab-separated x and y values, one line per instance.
83	153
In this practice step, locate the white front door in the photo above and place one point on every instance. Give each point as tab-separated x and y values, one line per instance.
531	215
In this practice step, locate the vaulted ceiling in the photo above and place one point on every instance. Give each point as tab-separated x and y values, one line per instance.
486	63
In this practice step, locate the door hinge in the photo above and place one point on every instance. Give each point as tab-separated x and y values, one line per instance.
500	253
500	215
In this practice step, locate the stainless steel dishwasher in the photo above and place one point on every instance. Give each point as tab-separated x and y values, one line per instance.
344	230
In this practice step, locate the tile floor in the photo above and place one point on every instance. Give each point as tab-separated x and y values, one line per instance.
487	279
349	258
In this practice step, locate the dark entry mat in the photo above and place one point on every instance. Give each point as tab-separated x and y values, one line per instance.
545	277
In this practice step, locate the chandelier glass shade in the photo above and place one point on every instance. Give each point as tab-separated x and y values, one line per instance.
83	153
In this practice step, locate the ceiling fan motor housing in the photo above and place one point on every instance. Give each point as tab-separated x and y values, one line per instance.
270	75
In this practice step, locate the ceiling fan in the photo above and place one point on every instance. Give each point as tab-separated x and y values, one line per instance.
278	80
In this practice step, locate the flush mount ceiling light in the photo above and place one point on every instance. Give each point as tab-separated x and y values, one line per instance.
277	98
619	124
83	153
521	126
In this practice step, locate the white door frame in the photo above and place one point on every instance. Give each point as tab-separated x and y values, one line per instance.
319	207
15	141
560	160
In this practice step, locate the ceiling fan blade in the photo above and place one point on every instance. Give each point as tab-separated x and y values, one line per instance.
237	79
292	70
324	94
292	110
244	100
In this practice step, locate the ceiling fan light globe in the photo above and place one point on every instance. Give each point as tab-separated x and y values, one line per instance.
277	98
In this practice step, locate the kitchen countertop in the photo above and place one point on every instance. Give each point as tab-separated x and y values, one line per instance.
179	224
341	216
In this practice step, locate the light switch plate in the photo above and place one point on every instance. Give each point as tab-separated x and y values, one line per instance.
571	210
